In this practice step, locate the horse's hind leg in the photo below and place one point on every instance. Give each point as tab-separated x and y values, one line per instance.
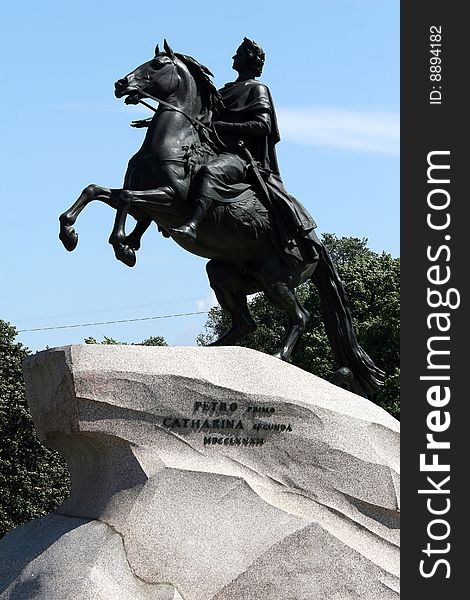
282	297
67	234
228	285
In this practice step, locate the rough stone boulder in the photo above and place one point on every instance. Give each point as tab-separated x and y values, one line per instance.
206	474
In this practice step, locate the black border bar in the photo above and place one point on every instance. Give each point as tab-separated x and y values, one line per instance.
435	353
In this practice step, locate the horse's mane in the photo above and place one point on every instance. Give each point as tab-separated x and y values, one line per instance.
210	97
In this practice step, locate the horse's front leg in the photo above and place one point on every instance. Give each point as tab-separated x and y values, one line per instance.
117	239
124	247
67	234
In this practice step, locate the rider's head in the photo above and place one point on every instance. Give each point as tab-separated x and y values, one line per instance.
249	56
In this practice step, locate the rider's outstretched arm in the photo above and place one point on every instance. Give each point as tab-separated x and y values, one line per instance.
141	122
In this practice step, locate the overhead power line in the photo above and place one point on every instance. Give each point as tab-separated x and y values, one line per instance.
110	309
201	312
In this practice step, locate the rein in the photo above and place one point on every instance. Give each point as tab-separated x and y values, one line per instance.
194	121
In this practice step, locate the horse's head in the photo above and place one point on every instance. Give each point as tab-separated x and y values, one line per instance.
171	73
159	77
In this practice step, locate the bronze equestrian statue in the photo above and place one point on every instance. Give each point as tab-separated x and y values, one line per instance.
207	175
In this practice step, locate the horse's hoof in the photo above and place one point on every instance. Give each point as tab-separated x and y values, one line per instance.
343	377
125	254
68	236
281	355
234	335
132	242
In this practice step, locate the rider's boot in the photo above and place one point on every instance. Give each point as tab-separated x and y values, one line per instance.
188	231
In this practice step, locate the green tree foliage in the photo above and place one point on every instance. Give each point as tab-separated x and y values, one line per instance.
372	284
33	479
153	340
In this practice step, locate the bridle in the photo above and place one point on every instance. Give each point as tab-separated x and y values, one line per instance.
192	120
197	124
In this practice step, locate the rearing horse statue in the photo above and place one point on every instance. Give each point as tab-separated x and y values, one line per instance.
237	237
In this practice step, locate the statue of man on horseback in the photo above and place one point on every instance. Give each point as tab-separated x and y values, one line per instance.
207	175
246	129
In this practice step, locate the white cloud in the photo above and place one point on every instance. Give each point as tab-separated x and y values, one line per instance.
338	128
323	127
206	303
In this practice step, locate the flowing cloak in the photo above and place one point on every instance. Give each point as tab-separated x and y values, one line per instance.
245	103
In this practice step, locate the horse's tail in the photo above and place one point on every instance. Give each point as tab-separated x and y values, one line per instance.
367	377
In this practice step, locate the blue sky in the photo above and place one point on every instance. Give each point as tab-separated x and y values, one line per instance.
332	67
